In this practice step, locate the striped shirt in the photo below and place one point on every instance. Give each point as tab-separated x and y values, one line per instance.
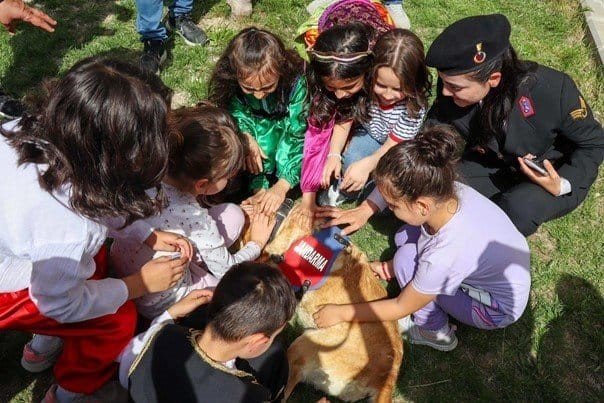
393	121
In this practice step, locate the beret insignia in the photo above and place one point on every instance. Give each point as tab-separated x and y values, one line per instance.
480	56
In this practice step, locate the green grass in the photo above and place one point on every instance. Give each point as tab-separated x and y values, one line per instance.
554	352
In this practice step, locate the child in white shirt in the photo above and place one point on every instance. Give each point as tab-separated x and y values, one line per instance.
73	173
207	152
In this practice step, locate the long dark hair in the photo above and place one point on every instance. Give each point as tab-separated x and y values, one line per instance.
422	167
102	130
403	52
254	51
339	41
499	102
207	144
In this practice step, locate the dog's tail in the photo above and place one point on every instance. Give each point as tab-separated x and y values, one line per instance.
384	394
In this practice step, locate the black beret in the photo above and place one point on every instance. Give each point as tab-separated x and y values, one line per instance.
467	44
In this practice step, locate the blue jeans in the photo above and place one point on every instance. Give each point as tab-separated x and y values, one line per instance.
149	15
361	145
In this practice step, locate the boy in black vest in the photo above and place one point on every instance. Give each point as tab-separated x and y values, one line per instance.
224	351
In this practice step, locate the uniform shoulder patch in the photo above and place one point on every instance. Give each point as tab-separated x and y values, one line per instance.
526	106
580	113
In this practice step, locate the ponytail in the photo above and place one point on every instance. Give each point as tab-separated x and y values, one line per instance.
424	166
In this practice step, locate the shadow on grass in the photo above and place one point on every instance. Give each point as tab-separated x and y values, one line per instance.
38	54
571	352
500	366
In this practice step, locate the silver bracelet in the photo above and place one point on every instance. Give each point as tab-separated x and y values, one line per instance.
335	155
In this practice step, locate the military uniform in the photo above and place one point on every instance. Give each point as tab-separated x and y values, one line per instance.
549	119
172	368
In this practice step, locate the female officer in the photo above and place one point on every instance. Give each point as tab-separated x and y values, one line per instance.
509	112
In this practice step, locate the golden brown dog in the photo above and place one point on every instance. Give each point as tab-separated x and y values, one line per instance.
350	360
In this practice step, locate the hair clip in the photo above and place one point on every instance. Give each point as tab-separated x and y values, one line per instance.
340	58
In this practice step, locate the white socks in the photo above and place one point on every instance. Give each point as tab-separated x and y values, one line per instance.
45	344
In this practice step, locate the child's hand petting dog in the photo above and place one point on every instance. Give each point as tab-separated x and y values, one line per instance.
382	270
261	226
329	315
189	303
304	216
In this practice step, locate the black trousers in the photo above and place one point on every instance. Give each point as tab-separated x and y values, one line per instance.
528	205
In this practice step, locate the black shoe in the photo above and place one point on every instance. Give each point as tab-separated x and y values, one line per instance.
10	108
154	55
331	196
189	32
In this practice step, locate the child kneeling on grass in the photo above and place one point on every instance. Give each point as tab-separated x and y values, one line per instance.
224	352
207	151
458	254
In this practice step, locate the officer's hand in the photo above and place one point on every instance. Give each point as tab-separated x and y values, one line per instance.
550	182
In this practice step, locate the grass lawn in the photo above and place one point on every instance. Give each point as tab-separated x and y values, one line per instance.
554	353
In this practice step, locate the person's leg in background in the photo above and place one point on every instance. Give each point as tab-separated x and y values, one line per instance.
529	205
361	145
153	34
180	22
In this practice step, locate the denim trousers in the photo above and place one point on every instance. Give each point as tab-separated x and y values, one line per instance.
361	145
149	16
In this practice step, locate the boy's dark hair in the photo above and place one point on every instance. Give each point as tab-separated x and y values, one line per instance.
254	51
339	40
102	130
403	52
422	167
251	298
499	102
207	144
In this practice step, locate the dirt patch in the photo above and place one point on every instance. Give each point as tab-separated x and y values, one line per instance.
109	19
222	23
180	99
543	245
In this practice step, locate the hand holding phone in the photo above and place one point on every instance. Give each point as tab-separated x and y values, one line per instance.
537	167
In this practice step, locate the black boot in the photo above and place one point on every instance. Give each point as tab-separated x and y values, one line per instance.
154	55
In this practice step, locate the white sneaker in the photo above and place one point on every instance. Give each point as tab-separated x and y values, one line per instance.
443	339
240	8
35	362
398	14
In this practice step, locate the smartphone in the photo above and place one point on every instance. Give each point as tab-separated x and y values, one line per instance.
175	256
535	166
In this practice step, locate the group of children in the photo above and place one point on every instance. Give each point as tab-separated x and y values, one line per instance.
275	123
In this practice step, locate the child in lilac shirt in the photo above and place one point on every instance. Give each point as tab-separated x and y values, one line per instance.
458	254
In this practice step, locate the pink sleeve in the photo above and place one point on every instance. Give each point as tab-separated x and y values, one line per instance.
316	148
